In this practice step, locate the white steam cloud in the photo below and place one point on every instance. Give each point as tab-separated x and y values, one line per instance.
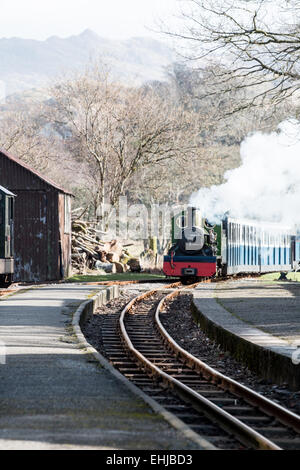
266	186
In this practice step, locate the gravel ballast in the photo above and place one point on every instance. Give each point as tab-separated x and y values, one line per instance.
179	322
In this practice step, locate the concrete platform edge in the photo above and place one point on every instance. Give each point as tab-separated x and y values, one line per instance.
266	363
82	314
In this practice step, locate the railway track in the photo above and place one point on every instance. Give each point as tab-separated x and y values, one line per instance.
228	414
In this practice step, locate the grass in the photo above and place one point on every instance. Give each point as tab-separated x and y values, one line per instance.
276	276
114	277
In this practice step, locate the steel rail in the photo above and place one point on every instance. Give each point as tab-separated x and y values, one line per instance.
246	434
286	417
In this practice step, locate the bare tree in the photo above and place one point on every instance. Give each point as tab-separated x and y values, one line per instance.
118	131
25	133
250	48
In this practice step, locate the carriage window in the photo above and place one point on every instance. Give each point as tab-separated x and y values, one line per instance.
267	239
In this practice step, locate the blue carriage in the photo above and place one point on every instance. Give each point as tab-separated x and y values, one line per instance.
256	247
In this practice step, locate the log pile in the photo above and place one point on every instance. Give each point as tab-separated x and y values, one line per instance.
89	252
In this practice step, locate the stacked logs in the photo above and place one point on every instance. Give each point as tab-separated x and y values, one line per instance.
89	252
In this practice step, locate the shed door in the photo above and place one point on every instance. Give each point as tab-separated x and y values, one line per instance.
32	237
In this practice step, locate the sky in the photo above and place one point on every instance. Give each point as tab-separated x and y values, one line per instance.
116	19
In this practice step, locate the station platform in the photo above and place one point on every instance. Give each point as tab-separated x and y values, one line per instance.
258	322
53	396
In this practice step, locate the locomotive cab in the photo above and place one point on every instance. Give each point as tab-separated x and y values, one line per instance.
194	247
6	237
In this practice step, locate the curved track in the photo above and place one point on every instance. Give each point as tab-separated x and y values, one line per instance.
227	413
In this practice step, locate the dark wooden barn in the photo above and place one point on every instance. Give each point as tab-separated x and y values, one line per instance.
42	231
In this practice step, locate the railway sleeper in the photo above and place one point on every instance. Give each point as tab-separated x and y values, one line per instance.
209	430
256	419
274	431
240	410
288	444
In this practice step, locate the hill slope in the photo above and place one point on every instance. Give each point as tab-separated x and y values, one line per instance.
27	64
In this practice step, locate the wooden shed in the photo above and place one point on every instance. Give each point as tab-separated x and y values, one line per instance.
42	231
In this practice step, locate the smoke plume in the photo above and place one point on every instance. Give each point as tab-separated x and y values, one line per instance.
266	186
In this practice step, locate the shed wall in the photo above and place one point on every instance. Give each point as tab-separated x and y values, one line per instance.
36	236
39	224
13	175
65	236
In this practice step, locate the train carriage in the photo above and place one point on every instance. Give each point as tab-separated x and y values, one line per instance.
6	237
256	247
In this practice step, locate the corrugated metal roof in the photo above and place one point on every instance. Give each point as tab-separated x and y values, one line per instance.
5	191
36	173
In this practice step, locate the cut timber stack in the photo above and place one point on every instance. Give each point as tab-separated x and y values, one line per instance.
89	252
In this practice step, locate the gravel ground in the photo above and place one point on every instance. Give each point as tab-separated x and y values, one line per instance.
179	322
92	329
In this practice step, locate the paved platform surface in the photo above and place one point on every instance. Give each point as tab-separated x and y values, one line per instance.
264	314
272	307
52	397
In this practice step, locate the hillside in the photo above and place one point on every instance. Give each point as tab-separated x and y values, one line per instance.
27	64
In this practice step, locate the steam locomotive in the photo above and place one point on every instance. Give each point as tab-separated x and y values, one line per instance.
6	237
200	249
